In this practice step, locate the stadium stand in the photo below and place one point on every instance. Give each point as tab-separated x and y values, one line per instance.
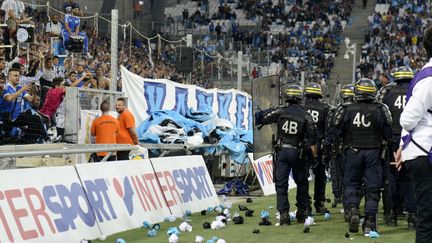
287	37
394	37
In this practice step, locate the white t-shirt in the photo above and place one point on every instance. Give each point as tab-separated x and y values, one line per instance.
53	28
16	6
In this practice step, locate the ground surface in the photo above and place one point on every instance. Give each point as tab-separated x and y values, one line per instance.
330	231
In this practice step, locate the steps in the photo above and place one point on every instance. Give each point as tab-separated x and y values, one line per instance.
342	70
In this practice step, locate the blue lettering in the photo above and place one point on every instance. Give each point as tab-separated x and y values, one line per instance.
250	121
69	206
241	104
180	180
154	94
201	181
181	105
260	173
96	193
224	101
204	100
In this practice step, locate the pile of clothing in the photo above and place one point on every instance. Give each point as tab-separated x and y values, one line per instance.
197	128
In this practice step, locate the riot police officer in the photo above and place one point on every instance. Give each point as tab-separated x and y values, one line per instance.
294	125
318	110
400	184
332	147
364	125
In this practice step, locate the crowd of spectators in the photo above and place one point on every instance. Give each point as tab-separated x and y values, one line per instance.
310	46
394	38
38	70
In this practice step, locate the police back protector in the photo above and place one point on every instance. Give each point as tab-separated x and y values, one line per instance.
290	126
317	110
395	100
363	126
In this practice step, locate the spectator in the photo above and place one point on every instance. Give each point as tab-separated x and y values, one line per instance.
127	133
137	7
14	97
14	15
74	81
71	28
102	81
69	6
2	70
32	124
58	69
53	28
53	98
105	128
255	73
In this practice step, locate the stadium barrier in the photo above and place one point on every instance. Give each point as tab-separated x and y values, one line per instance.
87	201
263	168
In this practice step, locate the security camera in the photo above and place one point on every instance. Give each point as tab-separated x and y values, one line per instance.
346	56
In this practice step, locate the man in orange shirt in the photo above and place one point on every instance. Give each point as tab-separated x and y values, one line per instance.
105	128
127	134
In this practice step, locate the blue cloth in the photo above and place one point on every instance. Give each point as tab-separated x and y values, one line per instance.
200	116
237	142
10	106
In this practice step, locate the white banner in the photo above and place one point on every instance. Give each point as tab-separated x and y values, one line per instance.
186	183
263	168
148	95
44	205
123	194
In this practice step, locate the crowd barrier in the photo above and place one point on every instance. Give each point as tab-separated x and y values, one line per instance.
86	201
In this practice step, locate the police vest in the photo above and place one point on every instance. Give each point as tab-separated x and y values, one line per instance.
395	100
363	128
317	110
290	127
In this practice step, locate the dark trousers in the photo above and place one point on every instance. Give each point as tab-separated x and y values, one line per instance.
401	187
421	171
288	159
363	165
123	155
337	173
320	179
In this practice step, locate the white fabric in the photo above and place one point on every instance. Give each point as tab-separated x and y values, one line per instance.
15	5
53	28
416	118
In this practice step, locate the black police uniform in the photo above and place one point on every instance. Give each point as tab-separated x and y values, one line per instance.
294	125
319	112
363	125
332	149
401	188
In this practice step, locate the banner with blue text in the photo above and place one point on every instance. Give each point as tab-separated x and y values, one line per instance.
148	95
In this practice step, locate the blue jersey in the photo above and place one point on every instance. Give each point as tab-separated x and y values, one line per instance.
72	21
14	108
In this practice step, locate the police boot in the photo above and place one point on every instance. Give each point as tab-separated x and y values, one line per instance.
391	218
412	221
336	201
284	219
369	224
346	215
354	220
320	208
301	215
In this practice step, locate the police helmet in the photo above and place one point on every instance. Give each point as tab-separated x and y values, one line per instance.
313	90
365	89
347	92
293	92
402	74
